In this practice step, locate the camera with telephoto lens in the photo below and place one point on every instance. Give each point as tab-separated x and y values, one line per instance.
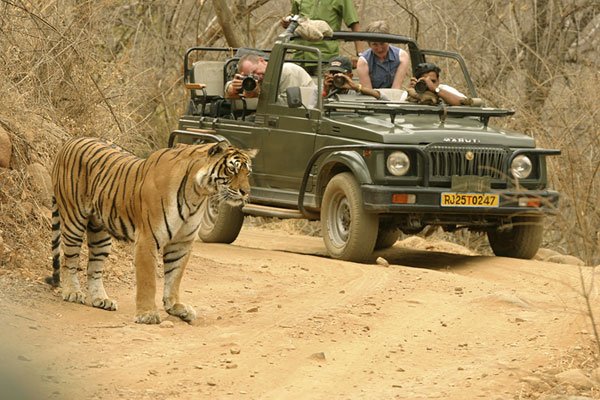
421	86
339	81
249	83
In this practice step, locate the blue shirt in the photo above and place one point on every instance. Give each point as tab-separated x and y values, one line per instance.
382	73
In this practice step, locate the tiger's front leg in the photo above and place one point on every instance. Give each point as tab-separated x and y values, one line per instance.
145	256
175	258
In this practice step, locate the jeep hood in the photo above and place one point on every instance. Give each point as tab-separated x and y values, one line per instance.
424	129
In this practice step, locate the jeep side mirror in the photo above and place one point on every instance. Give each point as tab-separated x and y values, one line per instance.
294	97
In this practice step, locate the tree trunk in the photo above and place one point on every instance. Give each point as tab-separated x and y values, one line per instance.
228	23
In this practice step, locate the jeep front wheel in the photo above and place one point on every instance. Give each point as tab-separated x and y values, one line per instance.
220	222
349	232
386	237
521	241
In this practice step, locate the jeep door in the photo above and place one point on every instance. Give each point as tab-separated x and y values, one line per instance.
291	133
288	146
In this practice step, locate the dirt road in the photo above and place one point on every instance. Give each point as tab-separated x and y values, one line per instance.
278	320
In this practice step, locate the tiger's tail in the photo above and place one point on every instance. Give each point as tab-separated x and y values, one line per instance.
54	280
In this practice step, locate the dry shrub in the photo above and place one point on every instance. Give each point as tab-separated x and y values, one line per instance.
568	122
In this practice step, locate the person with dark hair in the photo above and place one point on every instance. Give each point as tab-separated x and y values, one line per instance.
340	69
429	73
382	65
334	12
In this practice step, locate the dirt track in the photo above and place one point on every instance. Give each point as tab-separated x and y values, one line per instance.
278	320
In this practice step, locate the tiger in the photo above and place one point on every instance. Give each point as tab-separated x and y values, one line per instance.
106	192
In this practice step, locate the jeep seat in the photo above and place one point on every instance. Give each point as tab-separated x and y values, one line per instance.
208	79
209	74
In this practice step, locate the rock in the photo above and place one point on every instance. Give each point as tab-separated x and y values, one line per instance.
535	382
5	149
234	350
382	261
545	254
41	182
320	356
566	259
413	242
252	310
167	324
575	378
553	256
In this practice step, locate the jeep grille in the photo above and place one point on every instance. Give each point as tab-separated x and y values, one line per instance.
446	161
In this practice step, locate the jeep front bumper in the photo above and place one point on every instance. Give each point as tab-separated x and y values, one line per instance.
379	199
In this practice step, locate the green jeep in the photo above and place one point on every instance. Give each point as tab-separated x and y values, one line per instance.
369	169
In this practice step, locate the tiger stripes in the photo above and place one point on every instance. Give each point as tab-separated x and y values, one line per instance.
103	191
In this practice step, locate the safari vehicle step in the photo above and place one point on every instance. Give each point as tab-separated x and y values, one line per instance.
258	210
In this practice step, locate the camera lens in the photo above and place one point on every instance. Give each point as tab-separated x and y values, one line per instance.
421	86
339	81
249	83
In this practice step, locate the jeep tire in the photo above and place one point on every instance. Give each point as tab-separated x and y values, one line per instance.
220	223
522	241
386	237
348	231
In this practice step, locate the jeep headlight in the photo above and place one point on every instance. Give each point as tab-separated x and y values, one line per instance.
521	167
398	163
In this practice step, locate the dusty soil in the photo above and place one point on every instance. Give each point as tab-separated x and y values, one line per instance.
279	320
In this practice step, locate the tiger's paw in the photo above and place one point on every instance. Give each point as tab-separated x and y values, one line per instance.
185	312
105	304
147	317
75	296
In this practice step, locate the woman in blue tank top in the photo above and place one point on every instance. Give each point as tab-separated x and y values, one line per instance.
382	65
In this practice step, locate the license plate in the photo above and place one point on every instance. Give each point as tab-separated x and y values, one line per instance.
469	200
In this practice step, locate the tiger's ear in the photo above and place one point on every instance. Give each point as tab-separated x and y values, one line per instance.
220	147
251	152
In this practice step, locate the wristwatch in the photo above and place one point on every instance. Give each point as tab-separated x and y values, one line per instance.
437	90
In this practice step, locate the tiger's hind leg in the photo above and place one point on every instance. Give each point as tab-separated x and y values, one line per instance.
71	240
99	244
175	258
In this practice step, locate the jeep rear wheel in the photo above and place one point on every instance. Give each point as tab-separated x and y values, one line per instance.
349	232
522	241
220	222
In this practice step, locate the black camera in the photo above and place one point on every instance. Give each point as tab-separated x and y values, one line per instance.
421	86
249	83
339	81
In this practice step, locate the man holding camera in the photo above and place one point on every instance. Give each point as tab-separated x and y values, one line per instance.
338	79
425	87
254	66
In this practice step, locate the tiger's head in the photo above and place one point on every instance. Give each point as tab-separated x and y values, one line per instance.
228	174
